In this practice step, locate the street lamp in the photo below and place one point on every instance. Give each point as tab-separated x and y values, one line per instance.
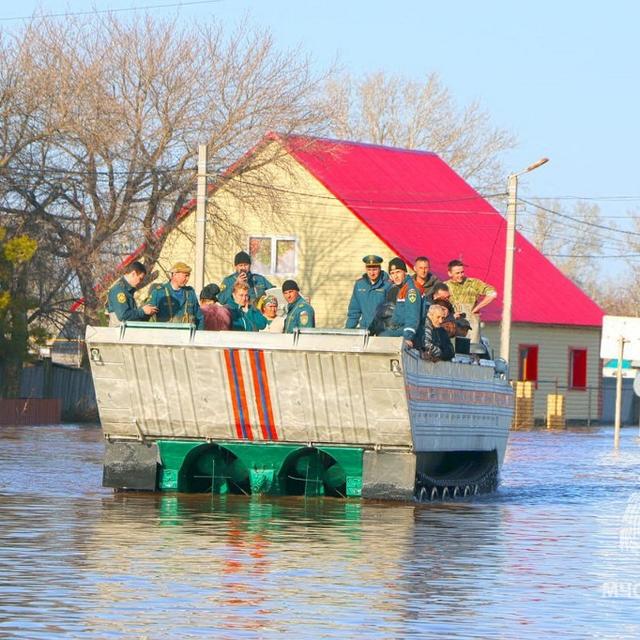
512	204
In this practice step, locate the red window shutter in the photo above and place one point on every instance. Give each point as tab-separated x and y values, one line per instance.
578	373
528	369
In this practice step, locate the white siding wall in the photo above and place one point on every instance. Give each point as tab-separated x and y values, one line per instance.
554	343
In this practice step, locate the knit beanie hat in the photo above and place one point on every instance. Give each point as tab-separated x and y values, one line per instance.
242	257
397	263
290	285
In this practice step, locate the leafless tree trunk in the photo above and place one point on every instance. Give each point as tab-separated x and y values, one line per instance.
112	152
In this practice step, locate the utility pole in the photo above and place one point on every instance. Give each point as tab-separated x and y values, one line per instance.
201	217
510	248
618	410
509	255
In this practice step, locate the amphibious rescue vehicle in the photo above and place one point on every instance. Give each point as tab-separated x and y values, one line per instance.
318	412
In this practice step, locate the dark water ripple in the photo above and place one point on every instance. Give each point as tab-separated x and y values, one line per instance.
555	552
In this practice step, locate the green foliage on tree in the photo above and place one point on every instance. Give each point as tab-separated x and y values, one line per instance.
15	253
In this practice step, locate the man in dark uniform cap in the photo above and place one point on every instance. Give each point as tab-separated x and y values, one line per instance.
300	314
121	304
257	284
369	292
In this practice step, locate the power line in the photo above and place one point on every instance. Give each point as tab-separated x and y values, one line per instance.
97	11
585	222
98	173
619	198
591	255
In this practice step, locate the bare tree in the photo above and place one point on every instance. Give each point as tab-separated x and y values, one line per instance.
32	111
573	239
393	110
132	102
620	294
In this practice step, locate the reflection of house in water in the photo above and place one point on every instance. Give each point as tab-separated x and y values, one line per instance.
246	565
68	347
455	548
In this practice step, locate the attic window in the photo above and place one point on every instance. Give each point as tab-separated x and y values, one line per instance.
273	255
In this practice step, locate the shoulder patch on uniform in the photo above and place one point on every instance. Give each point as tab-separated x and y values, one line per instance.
223	286
304	318
121	298
413	296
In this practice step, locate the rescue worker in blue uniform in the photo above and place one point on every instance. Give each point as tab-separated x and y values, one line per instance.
300	314
369	292
177	302
258	284
407	312
121	303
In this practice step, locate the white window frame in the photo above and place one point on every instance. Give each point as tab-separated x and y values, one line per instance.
274	240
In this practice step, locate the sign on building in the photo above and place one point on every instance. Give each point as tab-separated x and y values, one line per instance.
616	327
610	368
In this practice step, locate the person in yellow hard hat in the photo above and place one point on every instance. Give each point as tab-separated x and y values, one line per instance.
175	300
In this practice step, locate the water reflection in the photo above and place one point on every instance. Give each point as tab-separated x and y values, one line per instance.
253	564
529	561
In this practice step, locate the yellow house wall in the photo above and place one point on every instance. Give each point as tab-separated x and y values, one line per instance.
554	342
331	241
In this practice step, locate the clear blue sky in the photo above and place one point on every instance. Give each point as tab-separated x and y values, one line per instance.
563	77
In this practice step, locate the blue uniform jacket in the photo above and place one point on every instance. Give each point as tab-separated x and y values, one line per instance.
250	320
365	299
121	302
300	315
172	309
257	286
407	313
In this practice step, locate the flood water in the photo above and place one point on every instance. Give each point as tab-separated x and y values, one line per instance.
555	552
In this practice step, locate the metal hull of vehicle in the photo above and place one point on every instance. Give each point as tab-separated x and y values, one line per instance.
316	413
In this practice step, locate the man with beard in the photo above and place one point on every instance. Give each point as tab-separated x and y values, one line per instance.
257	283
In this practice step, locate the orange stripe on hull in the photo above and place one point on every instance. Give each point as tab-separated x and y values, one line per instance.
243	396
232	391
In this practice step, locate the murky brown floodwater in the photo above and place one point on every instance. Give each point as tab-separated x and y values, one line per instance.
556	552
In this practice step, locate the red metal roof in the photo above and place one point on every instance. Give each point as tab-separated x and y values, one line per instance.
418	205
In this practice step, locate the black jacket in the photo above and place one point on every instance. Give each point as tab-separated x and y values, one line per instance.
436	344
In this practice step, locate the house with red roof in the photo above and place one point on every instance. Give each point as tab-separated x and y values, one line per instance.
323	204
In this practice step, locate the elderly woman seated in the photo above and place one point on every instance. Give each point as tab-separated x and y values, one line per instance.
269	306
244	316
436	343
